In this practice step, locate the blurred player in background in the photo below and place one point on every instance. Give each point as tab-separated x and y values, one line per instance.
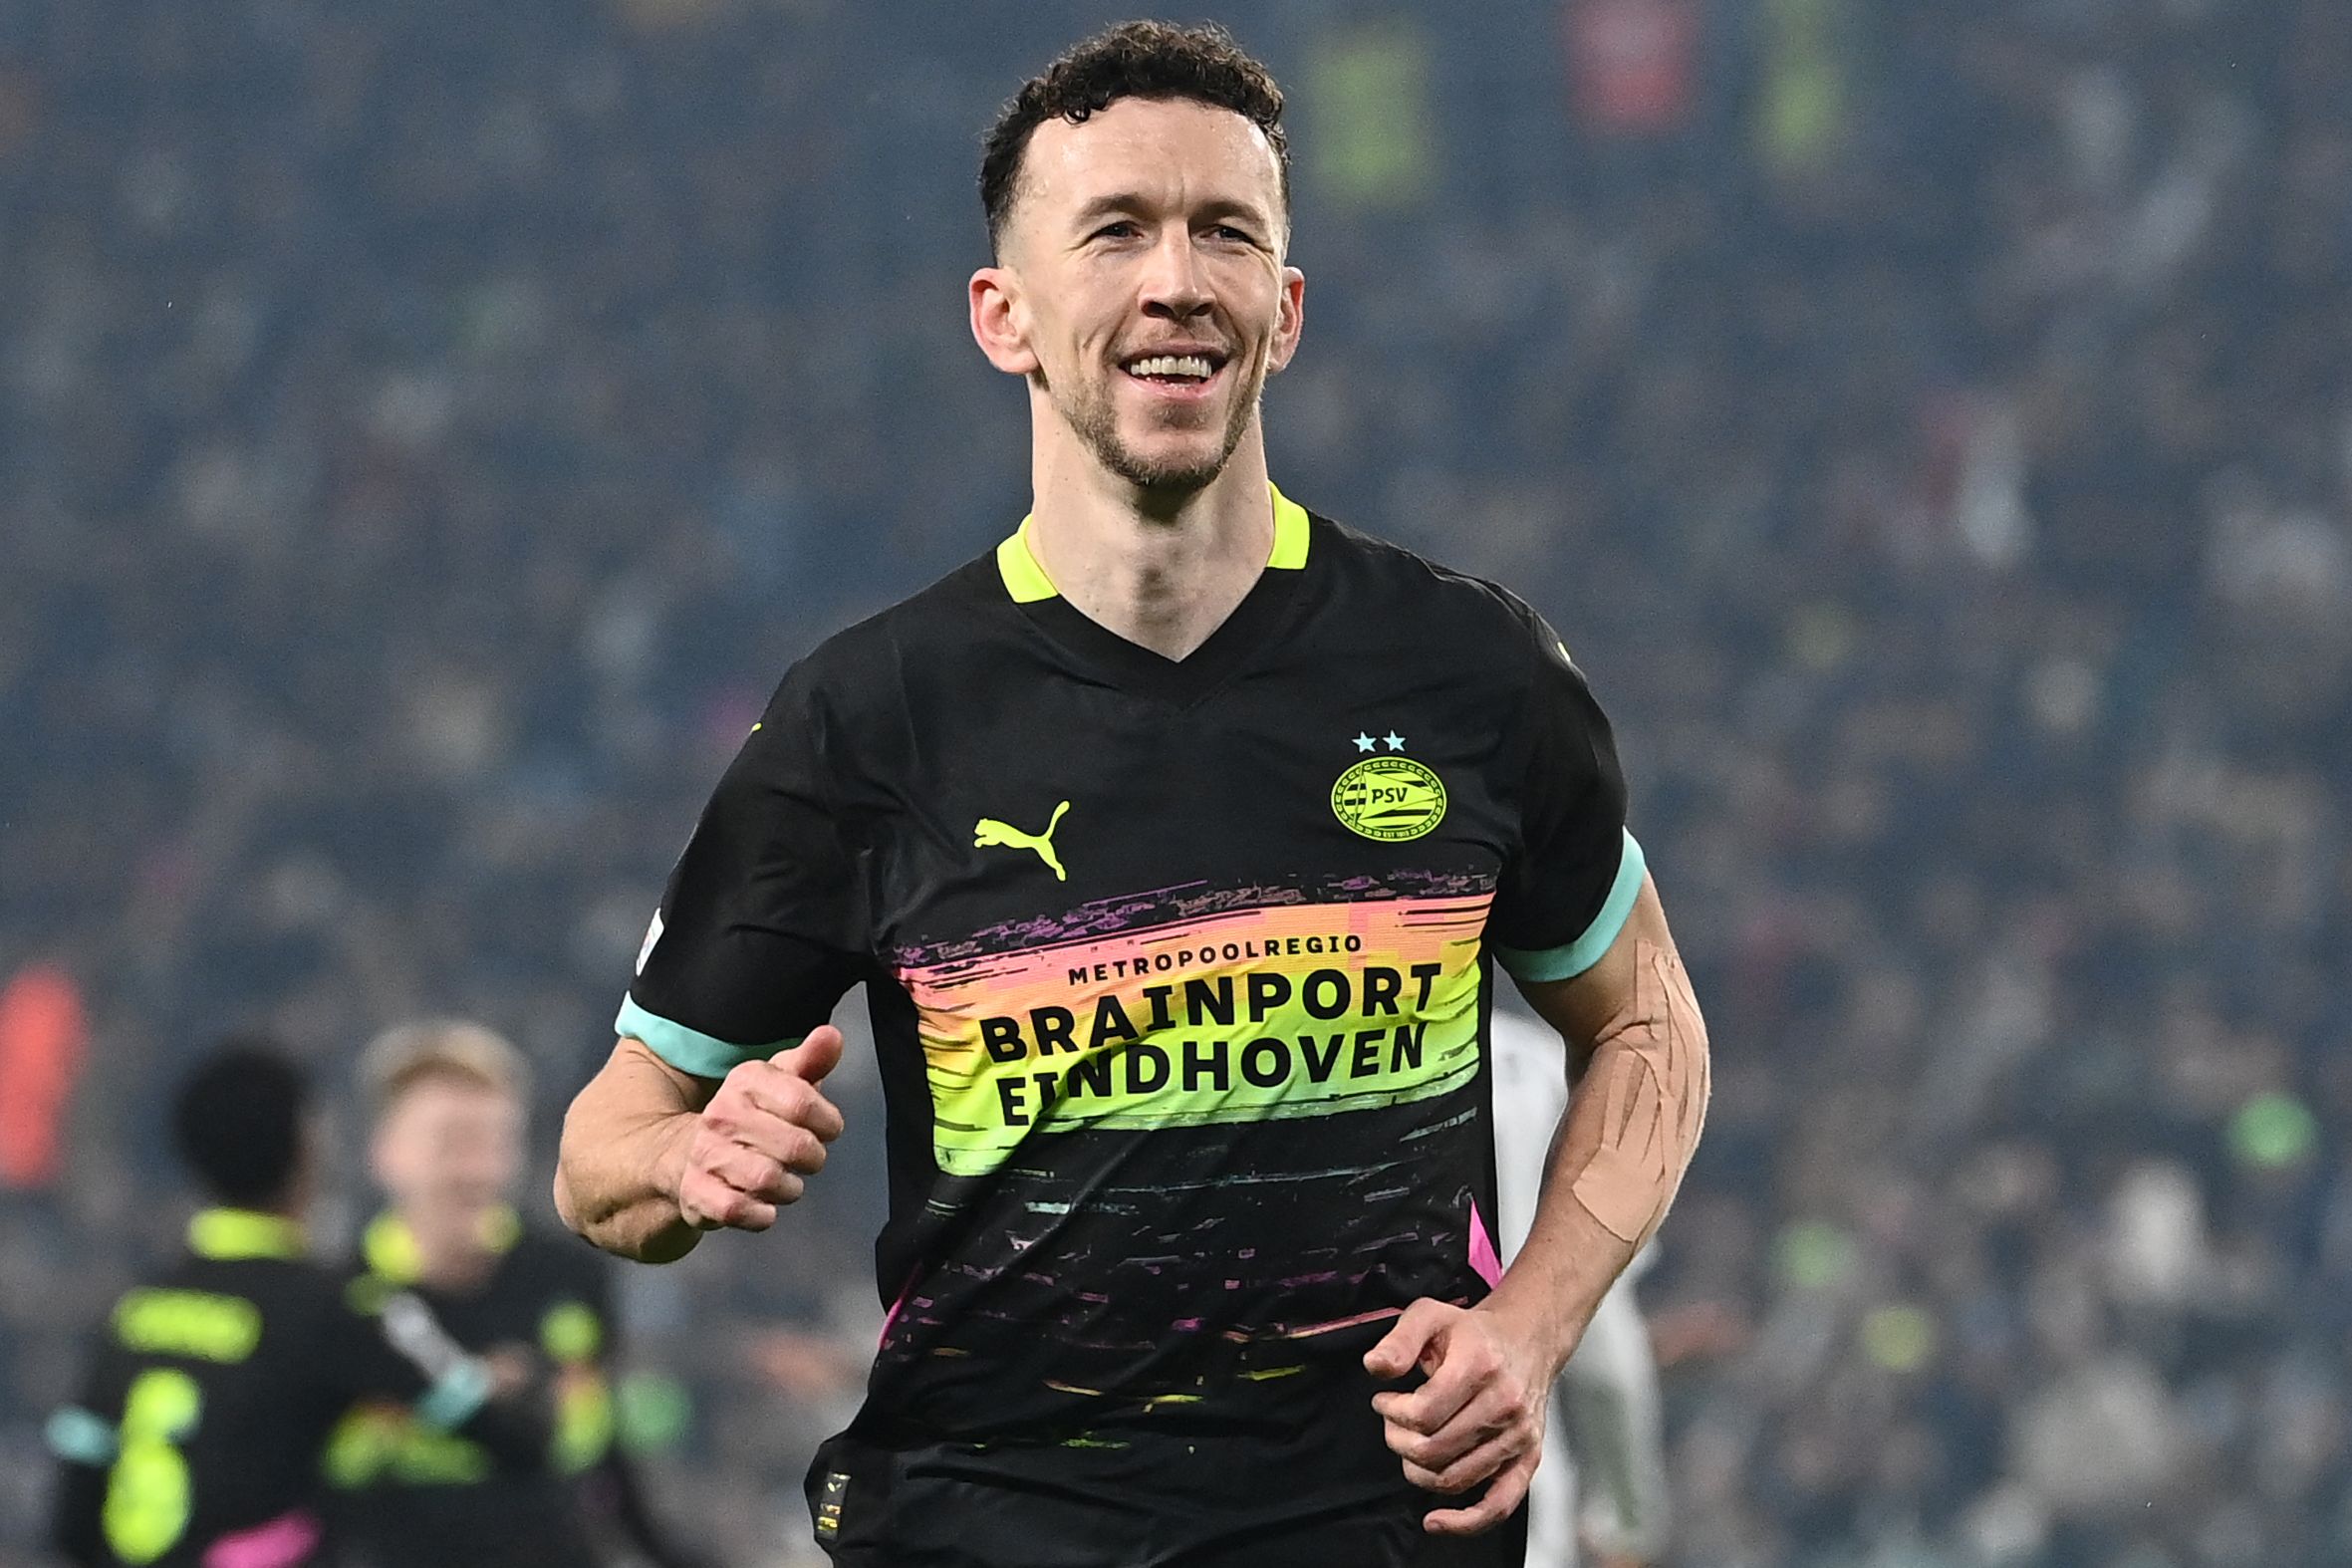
1178	836
447	1148
198	1435
1600	1496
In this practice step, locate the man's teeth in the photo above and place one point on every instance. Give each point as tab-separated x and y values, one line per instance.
1196	365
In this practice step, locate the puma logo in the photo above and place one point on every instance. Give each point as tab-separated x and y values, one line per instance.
989	833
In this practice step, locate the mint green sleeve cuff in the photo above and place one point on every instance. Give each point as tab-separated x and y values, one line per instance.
690	1050
450	1403
79	1437
1565	963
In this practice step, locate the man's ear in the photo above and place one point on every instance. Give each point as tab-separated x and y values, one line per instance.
1290	320
1001	323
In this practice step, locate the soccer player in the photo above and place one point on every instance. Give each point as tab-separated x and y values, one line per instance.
1175	840
447	1148
1602	1484
198	1435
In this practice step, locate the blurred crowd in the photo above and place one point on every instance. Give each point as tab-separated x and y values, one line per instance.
428	430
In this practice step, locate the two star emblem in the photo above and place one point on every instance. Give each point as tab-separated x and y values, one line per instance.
1393	740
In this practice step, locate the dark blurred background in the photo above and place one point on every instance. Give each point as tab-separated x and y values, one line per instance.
429	430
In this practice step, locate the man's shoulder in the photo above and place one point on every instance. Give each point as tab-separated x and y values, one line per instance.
949	613
559	1266
1439	597
197	1302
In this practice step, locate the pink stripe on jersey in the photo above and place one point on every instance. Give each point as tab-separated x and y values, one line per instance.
891	1318
286	1541
1483	1258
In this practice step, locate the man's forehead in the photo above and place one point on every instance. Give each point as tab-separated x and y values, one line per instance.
1160	147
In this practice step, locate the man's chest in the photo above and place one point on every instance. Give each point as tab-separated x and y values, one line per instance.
1068	805
523	1304
1115	914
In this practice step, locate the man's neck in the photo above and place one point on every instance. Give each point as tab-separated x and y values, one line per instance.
451	1249
1162	574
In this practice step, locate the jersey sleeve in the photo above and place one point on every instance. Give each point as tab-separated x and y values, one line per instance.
755	939
1567	890
83	1440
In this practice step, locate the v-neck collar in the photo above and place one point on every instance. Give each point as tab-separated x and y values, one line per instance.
390	1246
1140	669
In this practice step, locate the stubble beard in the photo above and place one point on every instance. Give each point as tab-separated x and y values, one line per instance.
1092	414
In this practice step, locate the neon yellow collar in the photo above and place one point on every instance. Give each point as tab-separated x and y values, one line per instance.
1026	581
390	1246
231	1236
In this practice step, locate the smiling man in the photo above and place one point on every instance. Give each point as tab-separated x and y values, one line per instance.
1177	840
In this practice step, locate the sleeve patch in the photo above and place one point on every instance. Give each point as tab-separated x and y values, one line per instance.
454	1396
689	1050
79	1437
1565	963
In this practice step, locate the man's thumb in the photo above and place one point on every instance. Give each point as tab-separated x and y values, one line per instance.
1401	1348
814	1057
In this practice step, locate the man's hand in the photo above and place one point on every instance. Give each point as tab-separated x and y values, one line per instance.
746	1154
1479	1417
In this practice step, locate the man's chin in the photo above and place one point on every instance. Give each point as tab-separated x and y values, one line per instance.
1166	467
1159	455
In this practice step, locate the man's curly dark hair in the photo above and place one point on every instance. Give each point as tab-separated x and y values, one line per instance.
1147	60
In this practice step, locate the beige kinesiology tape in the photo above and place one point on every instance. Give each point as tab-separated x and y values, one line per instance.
1649	1069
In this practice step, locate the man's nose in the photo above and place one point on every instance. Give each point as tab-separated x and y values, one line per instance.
1174	287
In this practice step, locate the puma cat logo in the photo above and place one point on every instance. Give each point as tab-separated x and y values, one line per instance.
989	833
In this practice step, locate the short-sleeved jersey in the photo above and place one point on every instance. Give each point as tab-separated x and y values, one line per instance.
209	1398
410	1495
1179	973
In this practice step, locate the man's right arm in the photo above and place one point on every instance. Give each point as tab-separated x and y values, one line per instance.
85	1444
652	1157
624	1152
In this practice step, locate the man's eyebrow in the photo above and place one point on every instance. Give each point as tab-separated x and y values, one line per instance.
1104	206
1128	203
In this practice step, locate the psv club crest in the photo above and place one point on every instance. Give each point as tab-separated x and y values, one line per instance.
1389	797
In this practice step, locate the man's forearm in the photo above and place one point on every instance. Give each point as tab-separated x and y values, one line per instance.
622	1152
1569	1260
1632	1126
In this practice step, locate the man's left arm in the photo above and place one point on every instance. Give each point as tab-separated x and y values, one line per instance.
1577	924
1633	1026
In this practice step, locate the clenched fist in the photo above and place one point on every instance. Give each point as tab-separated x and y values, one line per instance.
1478	1420
749	1150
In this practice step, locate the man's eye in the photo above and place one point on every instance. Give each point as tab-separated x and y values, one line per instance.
1227	231
1120	230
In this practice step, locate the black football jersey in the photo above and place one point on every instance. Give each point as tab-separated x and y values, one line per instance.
214	1389
409	1496
1179	976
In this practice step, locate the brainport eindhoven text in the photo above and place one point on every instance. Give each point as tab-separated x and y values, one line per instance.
1282	1005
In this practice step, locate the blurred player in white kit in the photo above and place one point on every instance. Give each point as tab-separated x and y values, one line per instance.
1601	1489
